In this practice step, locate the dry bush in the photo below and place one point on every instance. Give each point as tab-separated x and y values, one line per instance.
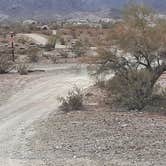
53	59
33	58
79	48
22	41
163	94
100	81
73	101
62	41
51	43
63	54
33	55
6	64
22	68
49	47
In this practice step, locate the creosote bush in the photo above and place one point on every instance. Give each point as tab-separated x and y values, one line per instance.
79	48
134	90
22	68
100	82
51	43
73	100
33	55
53	59
5	64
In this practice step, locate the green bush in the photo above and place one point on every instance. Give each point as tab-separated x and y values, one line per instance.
133	90
73	101
51	43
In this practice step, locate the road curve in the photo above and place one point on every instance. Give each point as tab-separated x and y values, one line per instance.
35	102
37	38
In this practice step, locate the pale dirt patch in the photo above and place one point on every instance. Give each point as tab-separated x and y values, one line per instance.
33	132
34	102
37	38
12	83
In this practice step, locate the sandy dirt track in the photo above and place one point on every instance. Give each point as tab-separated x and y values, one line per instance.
33	103
37	38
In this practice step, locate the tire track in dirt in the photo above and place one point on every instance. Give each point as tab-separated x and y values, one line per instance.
35	102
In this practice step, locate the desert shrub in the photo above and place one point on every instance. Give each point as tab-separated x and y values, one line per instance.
53	59
62	41
33	55
73	100
163	93
51	43
22	40
21	51
134	90
79	48
5	64
33	58
63	54
22	68
48	47
100	81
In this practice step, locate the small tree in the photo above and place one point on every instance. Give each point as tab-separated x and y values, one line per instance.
140	47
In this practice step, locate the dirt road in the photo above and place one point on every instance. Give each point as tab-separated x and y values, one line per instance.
35	102
37	38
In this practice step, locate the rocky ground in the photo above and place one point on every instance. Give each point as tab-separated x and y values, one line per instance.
101	136
32	99
95	136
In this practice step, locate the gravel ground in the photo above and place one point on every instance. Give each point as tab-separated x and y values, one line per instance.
35	100
97	136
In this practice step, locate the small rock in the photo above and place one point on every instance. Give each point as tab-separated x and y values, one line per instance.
74	157
124	125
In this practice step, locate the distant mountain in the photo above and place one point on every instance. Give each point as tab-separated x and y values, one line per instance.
50	8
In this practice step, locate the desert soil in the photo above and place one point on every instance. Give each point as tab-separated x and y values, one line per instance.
34	102
100	136
37	38
34	132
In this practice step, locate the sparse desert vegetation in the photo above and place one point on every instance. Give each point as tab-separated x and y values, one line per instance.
73	101
111	75
22	68
137	61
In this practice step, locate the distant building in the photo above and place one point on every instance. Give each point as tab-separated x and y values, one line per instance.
45	27
30	22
